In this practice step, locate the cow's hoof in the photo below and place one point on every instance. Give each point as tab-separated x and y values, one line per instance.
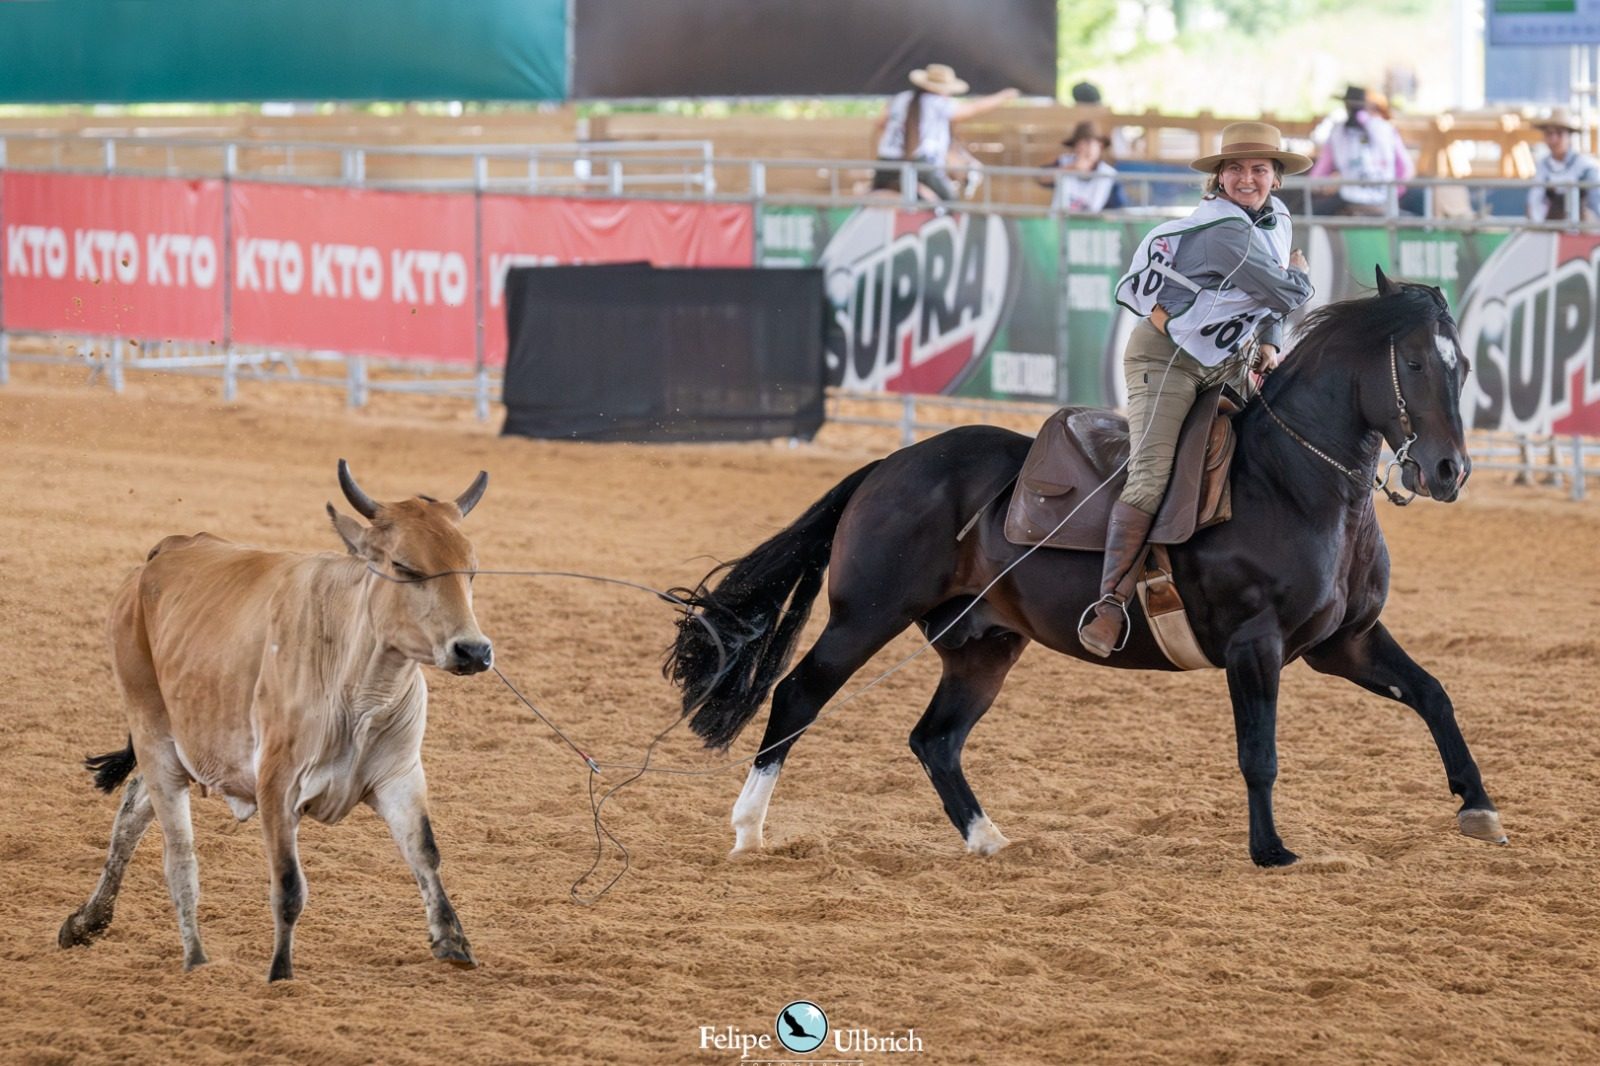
77	931
1482	825
455	952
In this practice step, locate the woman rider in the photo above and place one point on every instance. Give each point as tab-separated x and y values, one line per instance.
1204	285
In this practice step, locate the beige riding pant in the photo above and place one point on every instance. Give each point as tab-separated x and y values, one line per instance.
1159	399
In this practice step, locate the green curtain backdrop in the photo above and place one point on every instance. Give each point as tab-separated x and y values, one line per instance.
130	51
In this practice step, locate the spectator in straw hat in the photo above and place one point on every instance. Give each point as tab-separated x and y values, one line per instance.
1083	180
1205	287
1364	146
1559	170
915	127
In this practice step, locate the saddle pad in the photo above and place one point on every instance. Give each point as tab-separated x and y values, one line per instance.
1079	447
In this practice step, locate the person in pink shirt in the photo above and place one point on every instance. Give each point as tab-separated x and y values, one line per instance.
1366	146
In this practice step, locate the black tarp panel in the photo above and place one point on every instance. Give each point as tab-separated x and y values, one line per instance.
628	353
648	48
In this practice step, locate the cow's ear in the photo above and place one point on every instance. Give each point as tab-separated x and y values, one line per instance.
350	531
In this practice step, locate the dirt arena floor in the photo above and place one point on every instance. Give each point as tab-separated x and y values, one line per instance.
1125	924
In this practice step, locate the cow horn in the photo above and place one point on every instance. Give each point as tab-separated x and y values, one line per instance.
469	499
352	492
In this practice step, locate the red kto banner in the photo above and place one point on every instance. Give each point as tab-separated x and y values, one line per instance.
375	273
129	257
544	231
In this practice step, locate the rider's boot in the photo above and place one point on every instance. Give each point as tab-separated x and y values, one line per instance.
1103	633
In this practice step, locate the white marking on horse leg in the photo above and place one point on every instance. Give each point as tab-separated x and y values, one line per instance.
750	810
1395	689
983	838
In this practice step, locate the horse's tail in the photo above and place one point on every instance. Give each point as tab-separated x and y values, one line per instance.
735	640
112	768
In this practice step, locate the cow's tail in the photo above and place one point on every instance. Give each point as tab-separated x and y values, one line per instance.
112	768
735	640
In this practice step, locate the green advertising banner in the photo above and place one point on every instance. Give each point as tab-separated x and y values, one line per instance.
976	305
933	302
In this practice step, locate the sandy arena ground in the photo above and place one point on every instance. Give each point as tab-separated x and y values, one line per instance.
1125	924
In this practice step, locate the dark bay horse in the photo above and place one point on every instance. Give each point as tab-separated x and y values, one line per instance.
1300	571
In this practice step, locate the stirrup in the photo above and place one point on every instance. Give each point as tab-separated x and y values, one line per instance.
1089	613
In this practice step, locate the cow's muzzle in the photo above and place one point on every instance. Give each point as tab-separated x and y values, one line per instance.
470	657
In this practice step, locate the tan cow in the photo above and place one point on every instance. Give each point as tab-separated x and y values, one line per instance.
290	684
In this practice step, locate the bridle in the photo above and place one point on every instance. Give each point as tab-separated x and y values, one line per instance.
1402	455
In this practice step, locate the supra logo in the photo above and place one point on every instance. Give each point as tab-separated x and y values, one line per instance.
915	297
801	1026
1529	327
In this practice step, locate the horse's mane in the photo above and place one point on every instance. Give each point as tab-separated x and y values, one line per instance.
1367	322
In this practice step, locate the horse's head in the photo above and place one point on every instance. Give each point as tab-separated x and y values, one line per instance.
1417	404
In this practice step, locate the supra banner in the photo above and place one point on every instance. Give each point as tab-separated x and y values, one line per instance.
130	257
377	273
545	231
917	301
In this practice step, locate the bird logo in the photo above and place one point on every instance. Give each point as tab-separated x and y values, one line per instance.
801	1026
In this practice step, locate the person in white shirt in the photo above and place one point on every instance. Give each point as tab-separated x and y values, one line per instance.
1366	146
1083	180
1559	170
915	127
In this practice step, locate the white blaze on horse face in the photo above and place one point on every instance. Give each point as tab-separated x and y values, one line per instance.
1446	349
983	838
750	811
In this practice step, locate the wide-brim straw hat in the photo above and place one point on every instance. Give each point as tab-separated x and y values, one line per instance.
1252	140
1087	131
938	78
1558	119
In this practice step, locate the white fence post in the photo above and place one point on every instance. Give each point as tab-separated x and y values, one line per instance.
115	375
908	420
1578	472
356	386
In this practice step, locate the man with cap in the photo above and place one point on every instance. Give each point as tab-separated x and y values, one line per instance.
1365	146
915	126
1559	170
1204	286
1083	180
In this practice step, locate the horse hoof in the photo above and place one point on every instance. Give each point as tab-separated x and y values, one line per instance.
1277	855
983	838
195	961
1482	825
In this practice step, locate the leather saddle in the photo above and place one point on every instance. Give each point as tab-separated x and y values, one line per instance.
1079	447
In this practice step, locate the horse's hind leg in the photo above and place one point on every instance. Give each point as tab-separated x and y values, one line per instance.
1378	664
839	652
133	818
973	674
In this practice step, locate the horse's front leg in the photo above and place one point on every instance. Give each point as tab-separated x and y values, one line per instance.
1254	660
1374	661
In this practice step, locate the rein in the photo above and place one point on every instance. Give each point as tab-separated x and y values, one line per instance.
1401	457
